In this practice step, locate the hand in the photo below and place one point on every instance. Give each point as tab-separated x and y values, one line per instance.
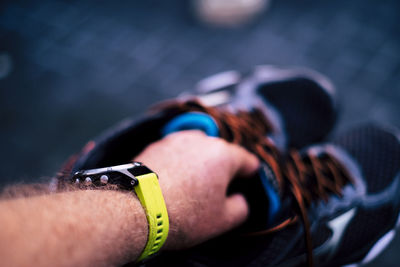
194	173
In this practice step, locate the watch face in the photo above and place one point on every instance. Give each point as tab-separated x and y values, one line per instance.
117	168
124	176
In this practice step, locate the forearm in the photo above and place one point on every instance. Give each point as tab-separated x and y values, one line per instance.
79	228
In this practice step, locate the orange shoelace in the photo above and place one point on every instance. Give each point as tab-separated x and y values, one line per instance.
306	177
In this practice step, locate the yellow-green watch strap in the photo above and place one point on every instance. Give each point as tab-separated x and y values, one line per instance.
150	196
145	183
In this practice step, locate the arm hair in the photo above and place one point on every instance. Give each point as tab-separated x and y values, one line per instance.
73	228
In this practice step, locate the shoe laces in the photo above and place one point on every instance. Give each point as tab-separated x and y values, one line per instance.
305	177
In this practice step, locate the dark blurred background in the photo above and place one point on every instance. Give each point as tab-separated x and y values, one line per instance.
70	69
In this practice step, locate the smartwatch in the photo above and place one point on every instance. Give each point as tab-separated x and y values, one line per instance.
134	176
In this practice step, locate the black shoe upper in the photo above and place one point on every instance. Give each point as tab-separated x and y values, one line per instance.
344	229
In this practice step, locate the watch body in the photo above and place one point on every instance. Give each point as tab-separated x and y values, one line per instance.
124	176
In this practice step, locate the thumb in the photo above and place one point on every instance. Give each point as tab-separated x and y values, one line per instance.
236	211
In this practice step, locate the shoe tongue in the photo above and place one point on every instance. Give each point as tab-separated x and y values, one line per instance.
192	121
263	198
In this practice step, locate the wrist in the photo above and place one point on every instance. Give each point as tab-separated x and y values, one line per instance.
175	235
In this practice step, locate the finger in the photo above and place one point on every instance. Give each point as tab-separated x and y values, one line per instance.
236	212
244	163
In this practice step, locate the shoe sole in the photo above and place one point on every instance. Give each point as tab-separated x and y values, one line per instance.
264	74
270	73
282	87
221	88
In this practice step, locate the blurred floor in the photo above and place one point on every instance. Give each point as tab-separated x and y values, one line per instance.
70	69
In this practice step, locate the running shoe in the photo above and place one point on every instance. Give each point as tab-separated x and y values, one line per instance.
308	116
340	207
240	113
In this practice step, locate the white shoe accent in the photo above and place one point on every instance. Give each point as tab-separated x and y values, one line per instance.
380	246
218	81
215	98
376	249
338	227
